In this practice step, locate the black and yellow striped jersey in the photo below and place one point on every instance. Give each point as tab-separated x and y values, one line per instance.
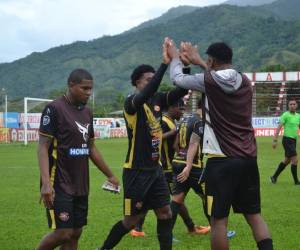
168	151
189	125
144	132
143	114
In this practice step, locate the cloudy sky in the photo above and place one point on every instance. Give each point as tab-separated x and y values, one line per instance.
37	25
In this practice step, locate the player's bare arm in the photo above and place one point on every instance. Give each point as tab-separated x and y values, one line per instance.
98	160
169	134
47	191
192	151
274	143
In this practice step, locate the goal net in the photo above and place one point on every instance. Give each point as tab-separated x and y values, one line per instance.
35	105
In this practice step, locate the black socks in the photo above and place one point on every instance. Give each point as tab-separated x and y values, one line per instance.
186	217
116	234
175	207
280	168
294	173
164	234
266	244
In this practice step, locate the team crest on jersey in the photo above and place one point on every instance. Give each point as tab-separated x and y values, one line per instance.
84	130
64	216
46	120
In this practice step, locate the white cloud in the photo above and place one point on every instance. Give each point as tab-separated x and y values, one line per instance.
37	25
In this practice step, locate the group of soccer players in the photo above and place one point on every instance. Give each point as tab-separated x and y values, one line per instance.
221	129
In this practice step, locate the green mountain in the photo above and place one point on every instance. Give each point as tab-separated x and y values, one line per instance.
257	36
248	2
169	15
286	9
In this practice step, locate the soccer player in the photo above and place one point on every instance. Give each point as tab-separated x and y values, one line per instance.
144	183
290	120
65	145
232	176
170	131
174	112
188	167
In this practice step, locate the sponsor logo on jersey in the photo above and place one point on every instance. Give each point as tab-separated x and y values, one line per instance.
79	151
46	120
84	130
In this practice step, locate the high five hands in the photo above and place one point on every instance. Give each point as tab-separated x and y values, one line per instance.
187	53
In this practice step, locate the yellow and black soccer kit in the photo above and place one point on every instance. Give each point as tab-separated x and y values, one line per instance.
71	129
189	125
144	183
168	150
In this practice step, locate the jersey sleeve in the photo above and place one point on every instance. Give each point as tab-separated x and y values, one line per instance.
165	127
198	128
129	106
48	124
282	119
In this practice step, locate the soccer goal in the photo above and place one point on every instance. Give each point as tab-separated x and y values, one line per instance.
29	104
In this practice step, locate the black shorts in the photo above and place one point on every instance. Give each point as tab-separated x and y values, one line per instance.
68	211
169	179
289	145
232	182
144	190
192	182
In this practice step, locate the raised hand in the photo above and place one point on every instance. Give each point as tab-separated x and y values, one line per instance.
182	56
171	48
165	55
190	52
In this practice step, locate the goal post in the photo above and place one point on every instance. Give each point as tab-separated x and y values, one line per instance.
26	99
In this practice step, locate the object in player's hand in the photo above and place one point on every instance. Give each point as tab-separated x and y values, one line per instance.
108	186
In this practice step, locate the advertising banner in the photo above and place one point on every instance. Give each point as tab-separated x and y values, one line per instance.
267	131
32	122
4	135
265	122
1	120
17	135
101	131
117	132
110	122
12	120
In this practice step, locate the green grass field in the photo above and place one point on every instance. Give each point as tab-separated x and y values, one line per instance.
23	221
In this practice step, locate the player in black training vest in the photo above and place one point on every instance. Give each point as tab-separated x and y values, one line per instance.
145	186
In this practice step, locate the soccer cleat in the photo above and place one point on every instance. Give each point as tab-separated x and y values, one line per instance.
175	240
273	180
297	183
230	234
135	233
200	230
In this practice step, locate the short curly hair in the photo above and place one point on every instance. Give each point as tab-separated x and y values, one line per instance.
139	71
221	52
77	75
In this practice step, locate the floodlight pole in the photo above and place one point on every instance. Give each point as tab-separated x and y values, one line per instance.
6	137
25	121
